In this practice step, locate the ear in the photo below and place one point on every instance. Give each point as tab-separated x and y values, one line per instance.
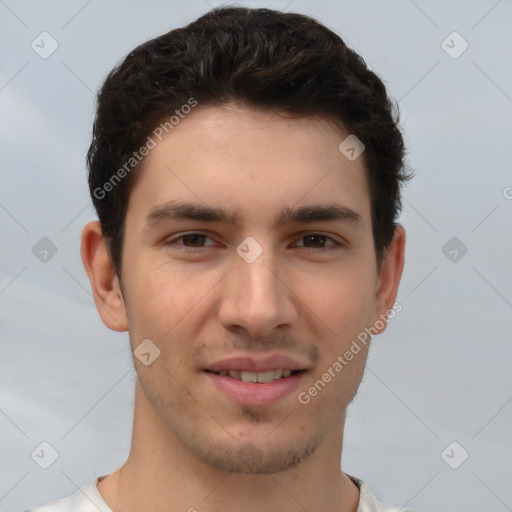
389	279
104	281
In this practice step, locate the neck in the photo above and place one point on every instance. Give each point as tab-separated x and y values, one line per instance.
161	474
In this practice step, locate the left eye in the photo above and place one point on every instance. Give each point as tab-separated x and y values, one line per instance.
318	236
317	239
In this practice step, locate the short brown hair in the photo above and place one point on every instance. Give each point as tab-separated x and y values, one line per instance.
287	63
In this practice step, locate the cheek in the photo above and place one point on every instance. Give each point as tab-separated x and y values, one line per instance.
156	298
343	299
166	297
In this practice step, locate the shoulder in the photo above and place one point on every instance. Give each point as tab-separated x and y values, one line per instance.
368	502
85	499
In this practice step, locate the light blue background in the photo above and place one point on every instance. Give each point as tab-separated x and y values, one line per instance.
440	373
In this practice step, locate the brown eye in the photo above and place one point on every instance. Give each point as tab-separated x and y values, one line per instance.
314	239
194	238
190	241
318	241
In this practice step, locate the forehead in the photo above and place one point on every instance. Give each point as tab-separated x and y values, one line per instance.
253	161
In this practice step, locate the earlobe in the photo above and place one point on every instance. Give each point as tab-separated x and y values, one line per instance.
389	278
104	281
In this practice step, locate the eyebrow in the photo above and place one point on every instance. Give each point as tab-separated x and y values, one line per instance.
183	210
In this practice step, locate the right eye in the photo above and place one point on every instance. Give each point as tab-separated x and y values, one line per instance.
195	239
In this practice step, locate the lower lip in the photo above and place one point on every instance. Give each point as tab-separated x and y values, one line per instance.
251	393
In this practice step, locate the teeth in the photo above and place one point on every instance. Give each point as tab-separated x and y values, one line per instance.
250	376
278	374
261	377
265	377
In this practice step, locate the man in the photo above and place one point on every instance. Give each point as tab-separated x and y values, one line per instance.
246	172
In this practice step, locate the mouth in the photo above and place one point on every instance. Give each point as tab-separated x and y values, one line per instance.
258	377
255	388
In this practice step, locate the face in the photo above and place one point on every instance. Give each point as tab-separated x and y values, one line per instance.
282	272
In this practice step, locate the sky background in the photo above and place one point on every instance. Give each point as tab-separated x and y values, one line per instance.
430	427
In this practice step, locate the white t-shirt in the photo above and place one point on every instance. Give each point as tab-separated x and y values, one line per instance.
89	499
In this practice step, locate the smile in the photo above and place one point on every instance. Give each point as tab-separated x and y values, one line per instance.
261	377
256	388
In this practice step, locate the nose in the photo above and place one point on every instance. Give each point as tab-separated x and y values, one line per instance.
257	297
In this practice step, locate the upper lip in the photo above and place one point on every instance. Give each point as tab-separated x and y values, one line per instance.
253	364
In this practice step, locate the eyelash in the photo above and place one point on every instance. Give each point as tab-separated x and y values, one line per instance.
337	245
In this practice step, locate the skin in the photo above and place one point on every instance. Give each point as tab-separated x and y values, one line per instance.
297	298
